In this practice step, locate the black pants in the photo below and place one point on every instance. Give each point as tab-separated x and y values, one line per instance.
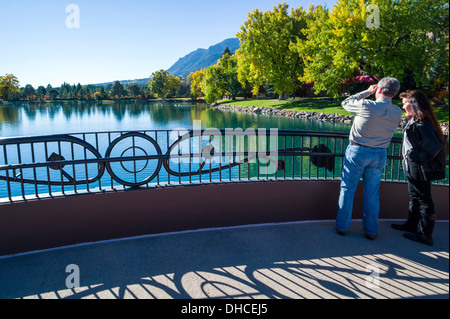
421	206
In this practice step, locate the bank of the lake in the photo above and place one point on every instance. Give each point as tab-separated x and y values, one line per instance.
35	119
312	115
321	109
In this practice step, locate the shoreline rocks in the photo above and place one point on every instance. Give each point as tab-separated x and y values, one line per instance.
288	113
336	118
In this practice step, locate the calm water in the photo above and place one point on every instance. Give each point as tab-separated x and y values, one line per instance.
20	119
86	117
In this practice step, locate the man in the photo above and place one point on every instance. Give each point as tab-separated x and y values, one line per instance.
366	155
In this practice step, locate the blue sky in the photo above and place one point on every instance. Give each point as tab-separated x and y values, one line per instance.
116	39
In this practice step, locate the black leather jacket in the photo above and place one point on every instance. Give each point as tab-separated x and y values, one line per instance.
428	150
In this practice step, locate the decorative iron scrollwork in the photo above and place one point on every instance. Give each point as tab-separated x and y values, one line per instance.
134	159
55	161
133	149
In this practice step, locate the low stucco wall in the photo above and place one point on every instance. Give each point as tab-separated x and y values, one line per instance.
49	223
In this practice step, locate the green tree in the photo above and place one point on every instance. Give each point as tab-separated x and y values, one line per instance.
117	89
265	48
174	85
226	51
439	70
28	92
250	77
162	83
72	91
51	92
213	83
103	93
79	89
230	82
346	42
222	79
85	93
64	91
41	92
9	87
134	90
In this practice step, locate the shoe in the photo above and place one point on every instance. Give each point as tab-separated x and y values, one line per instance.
404	227
341	232
419	237
371	237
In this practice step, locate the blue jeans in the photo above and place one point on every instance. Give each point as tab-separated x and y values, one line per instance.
368	163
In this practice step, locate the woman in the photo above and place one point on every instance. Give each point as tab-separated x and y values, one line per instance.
424	155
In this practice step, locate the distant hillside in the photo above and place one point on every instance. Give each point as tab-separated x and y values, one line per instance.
202	58
140	82
194	61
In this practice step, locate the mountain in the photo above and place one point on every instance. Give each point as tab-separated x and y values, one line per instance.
141	82
202	58
194	61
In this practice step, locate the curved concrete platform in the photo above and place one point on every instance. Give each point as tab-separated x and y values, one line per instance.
48	223
286	260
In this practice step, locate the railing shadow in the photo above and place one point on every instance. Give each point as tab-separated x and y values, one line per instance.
275	262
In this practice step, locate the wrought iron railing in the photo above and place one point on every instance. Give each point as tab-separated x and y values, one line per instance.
59	165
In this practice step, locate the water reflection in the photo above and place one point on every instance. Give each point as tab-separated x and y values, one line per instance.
87	116
8	115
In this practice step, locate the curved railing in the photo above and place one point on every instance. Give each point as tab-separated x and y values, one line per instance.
42	166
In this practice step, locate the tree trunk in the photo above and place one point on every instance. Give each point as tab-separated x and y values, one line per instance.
281	96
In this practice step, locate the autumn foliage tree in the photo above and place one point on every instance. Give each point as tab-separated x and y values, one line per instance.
196	82
9	87
409	40
265	54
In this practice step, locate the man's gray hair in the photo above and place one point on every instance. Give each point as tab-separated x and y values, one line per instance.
389	86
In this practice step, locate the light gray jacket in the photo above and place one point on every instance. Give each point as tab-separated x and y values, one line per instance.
375	121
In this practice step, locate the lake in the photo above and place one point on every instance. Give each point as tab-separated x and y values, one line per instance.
32	119
85	119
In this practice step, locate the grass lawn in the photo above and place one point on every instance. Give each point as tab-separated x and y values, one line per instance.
441	113
316	104
319	105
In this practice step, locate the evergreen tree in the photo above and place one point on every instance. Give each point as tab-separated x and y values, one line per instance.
226	51
117	89
41	92
28	93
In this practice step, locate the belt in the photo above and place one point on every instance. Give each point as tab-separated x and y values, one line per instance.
357	144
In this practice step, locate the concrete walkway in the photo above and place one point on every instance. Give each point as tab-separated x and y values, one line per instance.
289	260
